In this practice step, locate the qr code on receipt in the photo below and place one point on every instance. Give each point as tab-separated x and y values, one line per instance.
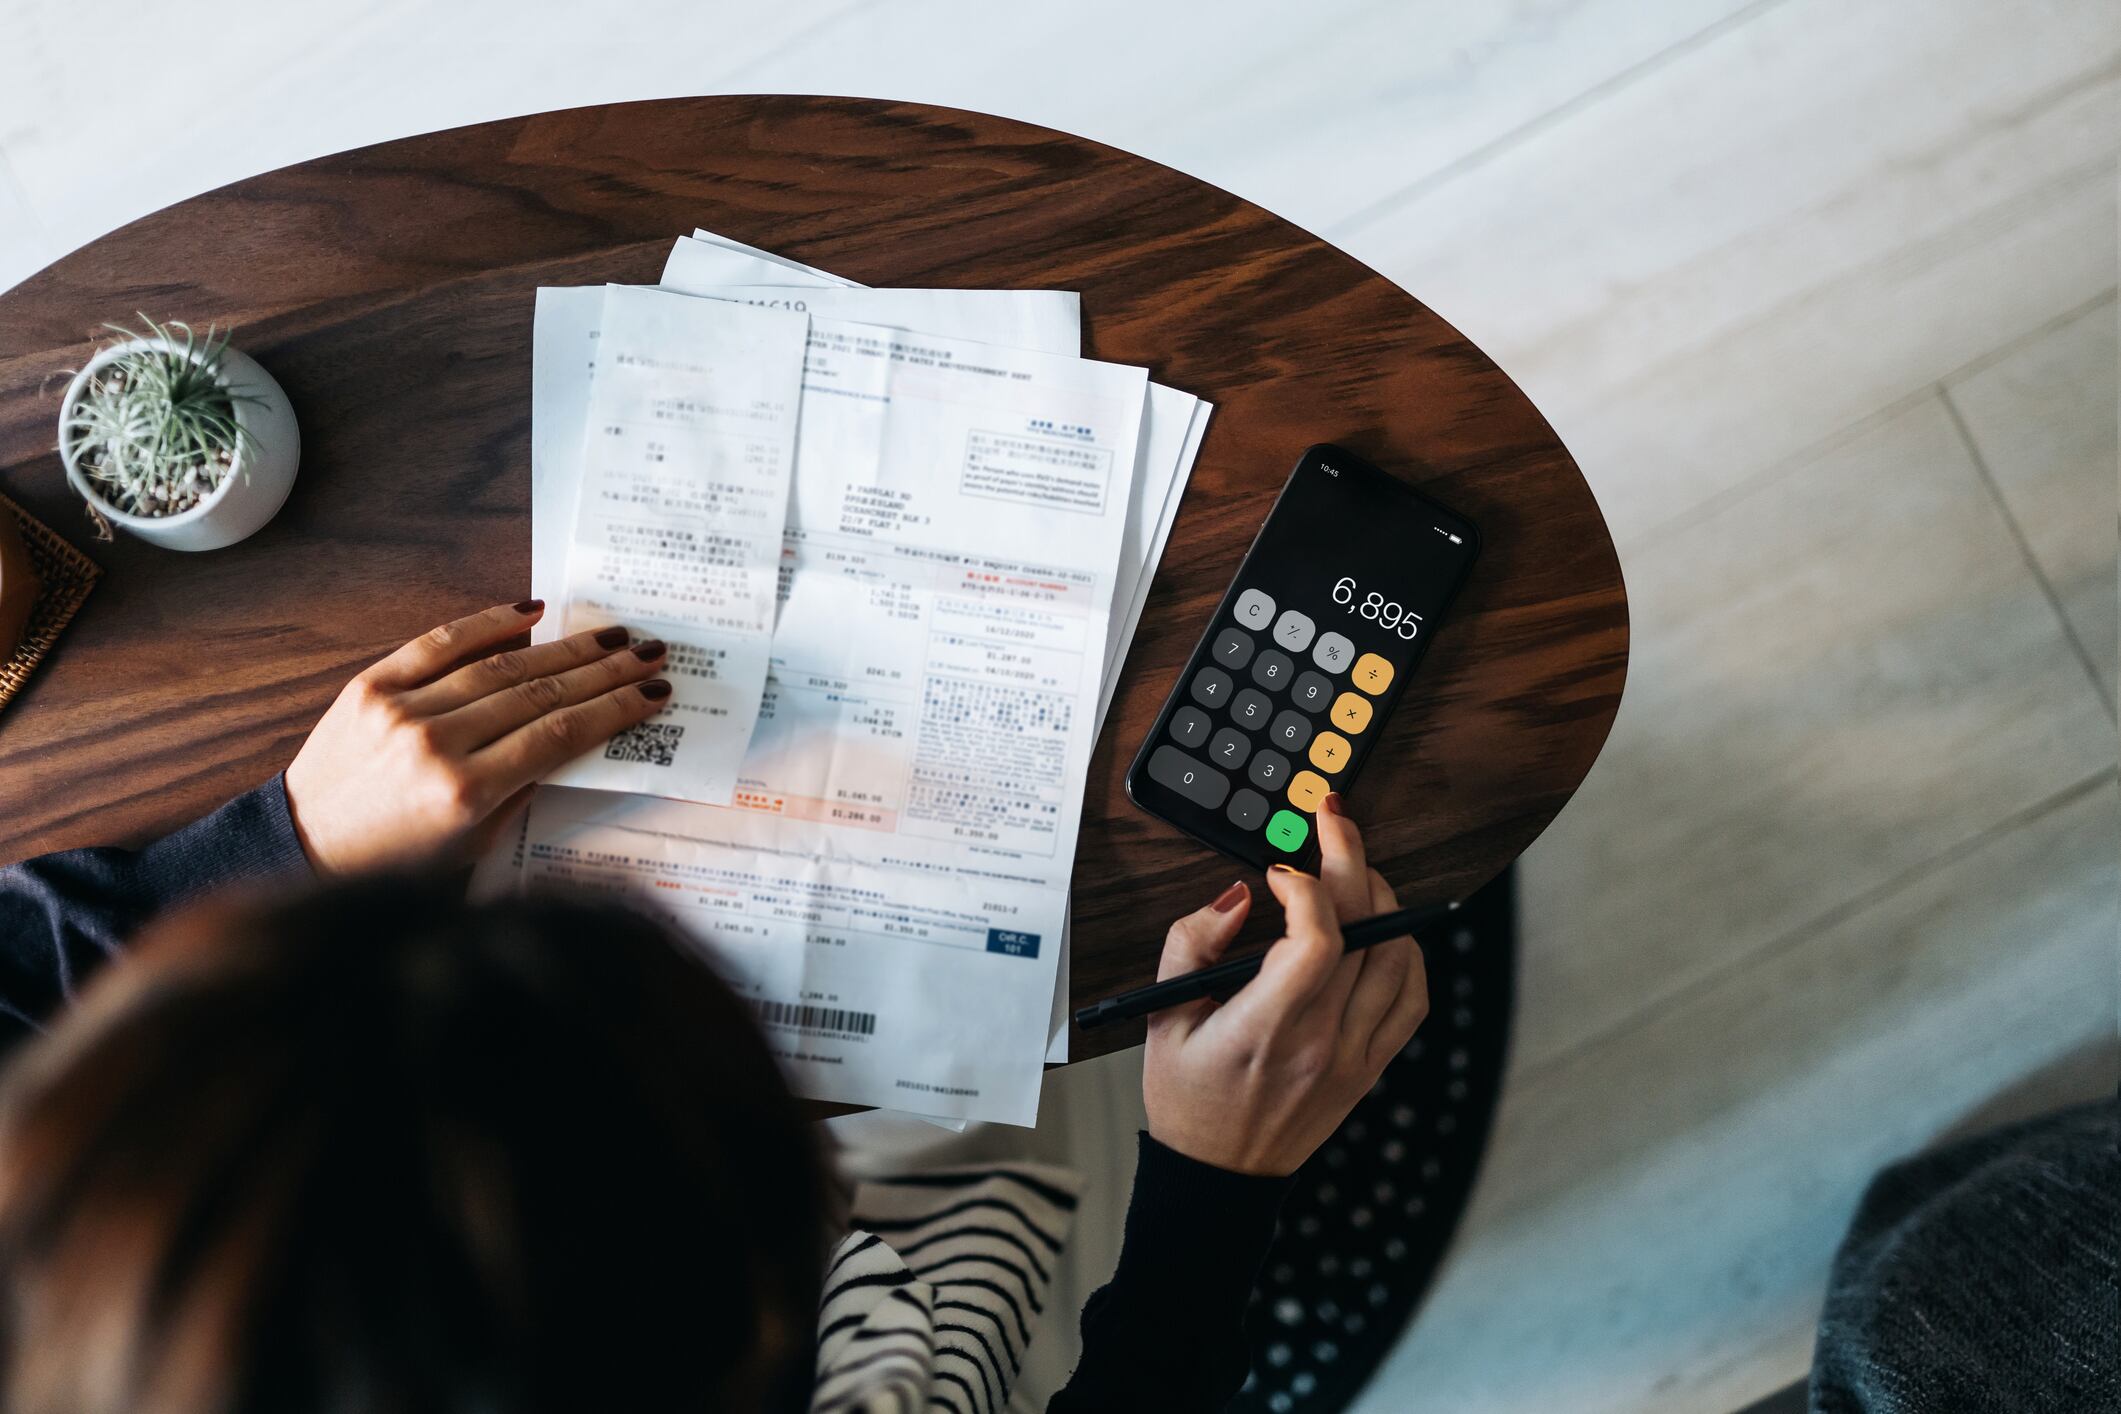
651	743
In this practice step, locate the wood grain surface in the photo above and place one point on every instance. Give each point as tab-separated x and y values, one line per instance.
390	290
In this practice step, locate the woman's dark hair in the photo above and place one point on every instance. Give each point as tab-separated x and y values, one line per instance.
380	1149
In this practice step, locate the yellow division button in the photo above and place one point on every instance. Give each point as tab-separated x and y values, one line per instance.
1372	674
1306	789
1351	713
1330	751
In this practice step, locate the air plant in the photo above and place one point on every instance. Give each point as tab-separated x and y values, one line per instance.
155	427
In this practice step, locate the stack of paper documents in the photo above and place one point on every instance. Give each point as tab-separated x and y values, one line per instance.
898	541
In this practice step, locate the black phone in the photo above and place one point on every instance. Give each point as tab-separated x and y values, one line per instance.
1314	642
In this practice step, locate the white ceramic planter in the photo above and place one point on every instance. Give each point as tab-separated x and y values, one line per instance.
256	485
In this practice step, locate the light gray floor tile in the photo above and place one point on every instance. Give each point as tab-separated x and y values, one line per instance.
25	247
1803	220
1833	680
2044	421
283	83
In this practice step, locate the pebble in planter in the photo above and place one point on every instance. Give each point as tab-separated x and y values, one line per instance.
183	441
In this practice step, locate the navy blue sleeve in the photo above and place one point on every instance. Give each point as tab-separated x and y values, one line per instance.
1167	1332
62	916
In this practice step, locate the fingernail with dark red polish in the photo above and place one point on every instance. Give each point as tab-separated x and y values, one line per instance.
650	651
1331	804
1230	898
612	637
530	606
655	690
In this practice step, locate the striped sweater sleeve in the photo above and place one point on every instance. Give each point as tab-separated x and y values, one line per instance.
930	1303
1166	1333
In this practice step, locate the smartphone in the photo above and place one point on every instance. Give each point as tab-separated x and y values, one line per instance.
1316	639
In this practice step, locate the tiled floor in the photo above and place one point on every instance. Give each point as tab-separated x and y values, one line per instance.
1822	296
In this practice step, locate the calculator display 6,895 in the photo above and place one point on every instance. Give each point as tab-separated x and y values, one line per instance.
1288	690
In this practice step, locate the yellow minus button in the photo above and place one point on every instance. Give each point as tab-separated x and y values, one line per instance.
1307	789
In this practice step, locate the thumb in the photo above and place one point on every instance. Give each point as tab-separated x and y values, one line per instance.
1195	941
1202	936
1297	968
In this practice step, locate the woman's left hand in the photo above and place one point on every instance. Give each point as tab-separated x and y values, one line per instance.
425	756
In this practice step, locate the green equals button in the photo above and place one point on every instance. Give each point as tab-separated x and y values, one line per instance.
1287	831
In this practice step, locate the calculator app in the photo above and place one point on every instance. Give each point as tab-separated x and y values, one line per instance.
1289	688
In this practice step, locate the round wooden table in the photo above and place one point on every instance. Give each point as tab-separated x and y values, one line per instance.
390	291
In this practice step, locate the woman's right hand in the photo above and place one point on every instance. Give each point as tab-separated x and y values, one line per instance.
427	755
1255	1084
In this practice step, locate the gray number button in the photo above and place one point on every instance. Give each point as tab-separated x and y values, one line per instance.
1248	810
1229	749
1173	769
1291	731
1293	631
1254	609
1211	687
1269	769
1233	649
1189	726
1312	692
1250	709
1333	653
1272	670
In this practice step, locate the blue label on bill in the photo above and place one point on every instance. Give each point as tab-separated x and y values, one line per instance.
1012	943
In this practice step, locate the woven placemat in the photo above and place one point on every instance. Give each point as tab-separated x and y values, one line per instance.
67	574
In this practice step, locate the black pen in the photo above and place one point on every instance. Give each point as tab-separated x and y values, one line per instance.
1227	976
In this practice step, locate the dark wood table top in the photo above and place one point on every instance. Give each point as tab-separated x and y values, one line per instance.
390	291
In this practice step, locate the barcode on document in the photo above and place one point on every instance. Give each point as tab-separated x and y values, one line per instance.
815	1018
651	743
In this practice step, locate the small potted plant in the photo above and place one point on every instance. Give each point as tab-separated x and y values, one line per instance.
182	440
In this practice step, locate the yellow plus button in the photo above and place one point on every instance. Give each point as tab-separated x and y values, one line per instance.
1351	713
1329	751
1373	674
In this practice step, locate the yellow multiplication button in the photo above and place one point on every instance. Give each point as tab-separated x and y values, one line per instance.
1307	789
1372	674
1351	713
1330	751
